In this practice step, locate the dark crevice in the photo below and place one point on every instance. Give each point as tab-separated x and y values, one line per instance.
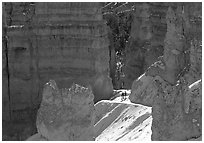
5	42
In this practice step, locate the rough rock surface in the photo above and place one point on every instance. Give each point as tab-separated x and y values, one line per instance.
66	114
174	44
145	43
170	120
143	90
172	97
67	42
193	21
193	99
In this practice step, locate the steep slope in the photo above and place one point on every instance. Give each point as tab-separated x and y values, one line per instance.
122	121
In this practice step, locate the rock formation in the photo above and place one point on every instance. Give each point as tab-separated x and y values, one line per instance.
66	114
67	42
143	90
174	110
170	120
166	82
145	43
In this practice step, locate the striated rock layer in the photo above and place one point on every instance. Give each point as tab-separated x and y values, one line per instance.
66	114
67	42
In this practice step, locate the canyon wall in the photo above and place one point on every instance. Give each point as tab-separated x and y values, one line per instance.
146	37
66	42
172	85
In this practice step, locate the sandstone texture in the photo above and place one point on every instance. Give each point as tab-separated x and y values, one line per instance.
170	121
66	114
172	85
174	44
67	42
70	43
193	98
143	90
145	43
186	58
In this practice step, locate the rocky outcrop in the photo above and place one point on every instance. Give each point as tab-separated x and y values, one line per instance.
170	121
174	55
67	42
161	108
66	114
166	82
170	117
193	99
144	90
145	43
193	21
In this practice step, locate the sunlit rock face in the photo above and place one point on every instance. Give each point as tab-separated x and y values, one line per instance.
66	114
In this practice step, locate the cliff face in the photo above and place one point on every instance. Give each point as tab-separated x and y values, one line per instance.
66	42
145	43
176	110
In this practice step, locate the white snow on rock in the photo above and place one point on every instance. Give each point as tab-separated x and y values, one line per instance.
193	97
122	121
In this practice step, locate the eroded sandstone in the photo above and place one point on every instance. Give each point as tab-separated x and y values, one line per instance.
67	42
176	94
146	38
66	114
